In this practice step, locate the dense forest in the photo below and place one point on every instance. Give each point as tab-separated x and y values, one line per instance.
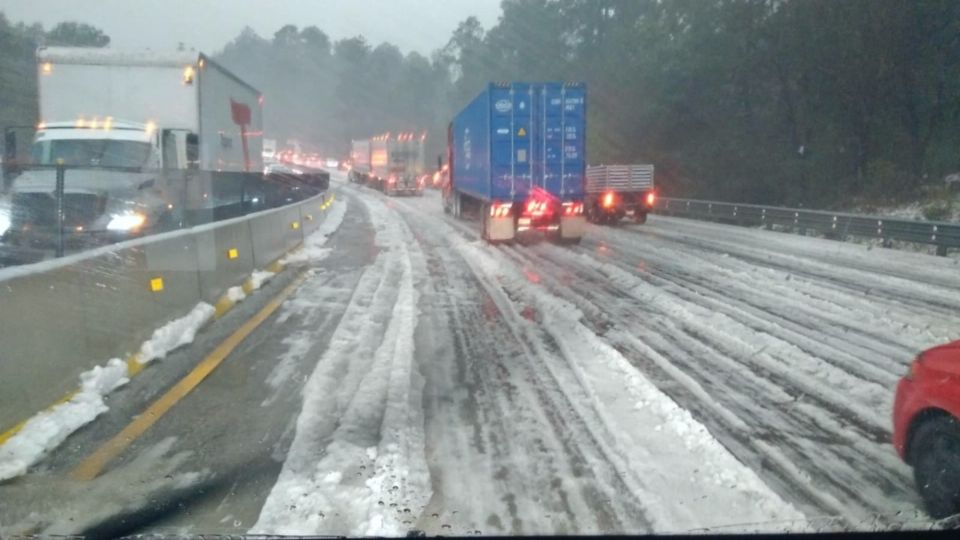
812	102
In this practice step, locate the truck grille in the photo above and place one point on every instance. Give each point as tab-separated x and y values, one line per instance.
39	210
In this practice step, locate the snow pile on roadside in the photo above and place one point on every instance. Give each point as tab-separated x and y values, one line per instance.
313	249
236	294
175	333
685	479
48	429
259	277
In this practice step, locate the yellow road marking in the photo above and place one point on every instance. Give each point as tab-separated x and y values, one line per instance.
222	306
91	467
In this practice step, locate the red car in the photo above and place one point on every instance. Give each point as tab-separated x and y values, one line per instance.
926	427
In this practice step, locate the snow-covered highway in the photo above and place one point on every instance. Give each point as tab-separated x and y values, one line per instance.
671	377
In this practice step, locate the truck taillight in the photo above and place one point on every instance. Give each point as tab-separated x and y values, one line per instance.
536	207
609	199
392	179
500	210
573	208
651	198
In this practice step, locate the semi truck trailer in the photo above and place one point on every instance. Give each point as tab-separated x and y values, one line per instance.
516	157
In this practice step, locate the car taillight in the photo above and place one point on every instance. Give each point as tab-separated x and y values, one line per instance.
392	180
651	198
609	199
500	210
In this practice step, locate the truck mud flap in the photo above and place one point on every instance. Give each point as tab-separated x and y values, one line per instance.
572	229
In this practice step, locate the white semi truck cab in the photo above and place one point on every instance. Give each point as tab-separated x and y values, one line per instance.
113	143
128	127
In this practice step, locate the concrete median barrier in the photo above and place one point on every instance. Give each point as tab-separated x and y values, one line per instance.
62	317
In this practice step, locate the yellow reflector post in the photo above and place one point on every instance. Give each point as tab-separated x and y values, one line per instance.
156	284
232	253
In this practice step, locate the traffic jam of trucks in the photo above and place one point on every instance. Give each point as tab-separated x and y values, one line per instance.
124	123
516	163
391	163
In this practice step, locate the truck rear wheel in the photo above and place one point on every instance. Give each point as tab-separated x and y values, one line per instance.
640	218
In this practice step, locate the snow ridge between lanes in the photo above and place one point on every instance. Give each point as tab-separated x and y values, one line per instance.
665	455
357	463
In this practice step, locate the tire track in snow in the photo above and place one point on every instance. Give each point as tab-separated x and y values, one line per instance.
871	479
658	345
356	464
526	449
560	356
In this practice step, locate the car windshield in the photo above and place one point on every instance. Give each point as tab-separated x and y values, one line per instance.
92	152
391	268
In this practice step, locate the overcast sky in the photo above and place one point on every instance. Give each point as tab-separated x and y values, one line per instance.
207	25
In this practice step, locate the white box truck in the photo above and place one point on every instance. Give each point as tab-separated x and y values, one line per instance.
122	123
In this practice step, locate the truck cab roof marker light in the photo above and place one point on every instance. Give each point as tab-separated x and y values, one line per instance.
188	74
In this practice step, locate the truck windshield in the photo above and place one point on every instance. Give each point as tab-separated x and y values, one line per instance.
92	152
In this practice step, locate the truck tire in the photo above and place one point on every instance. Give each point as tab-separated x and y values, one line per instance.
640	218
935	455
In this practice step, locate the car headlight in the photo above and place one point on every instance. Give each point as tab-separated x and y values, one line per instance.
126	222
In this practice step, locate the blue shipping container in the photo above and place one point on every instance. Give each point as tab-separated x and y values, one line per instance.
514	137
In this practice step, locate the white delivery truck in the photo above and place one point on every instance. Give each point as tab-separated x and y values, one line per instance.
123	123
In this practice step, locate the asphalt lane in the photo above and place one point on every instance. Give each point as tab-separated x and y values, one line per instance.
208	464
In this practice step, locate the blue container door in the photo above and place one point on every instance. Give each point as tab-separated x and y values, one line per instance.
512	113
563	144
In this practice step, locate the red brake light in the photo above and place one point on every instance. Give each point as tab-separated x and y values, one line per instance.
651	198
573	208
608	199
498	210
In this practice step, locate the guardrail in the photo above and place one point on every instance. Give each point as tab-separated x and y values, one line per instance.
836	225
61	317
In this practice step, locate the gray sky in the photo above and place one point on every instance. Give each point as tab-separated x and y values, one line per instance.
412	25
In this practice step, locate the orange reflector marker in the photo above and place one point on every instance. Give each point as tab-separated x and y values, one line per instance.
232	253
156	284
